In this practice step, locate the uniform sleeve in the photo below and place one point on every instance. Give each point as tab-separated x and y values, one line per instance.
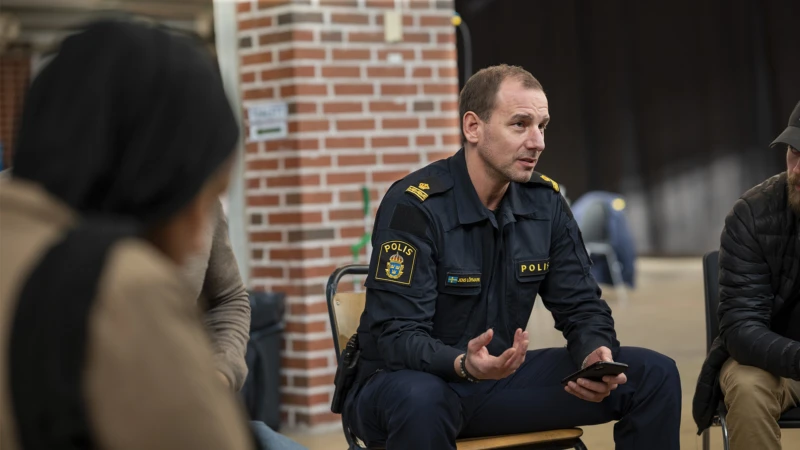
746	300
402	291
228	316
571	293
151	381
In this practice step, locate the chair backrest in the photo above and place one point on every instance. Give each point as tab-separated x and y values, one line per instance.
347	309
711	288
594	222
344	308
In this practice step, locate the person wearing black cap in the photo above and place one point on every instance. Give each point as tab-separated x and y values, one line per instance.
125	146
754	364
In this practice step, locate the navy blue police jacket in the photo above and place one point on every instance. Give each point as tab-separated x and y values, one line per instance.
445	268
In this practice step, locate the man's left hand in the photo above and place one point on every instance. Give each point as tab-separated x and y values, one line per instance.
596	391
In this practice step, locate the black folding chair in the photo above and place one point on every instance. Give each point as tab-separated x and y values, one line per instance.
790	418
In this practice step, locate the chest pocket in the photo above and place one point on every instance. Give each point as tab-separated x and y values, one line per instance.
528	274
459	292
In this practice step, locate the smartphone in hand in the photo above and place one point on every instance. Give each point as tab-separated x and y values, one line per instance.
597	371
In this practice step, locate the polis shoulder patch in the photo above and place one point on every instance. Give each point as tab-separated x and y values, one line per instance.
396	262
538	178
426	188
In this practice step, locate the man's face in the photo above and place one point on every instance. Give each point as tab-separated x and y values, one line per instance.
513	138
793	171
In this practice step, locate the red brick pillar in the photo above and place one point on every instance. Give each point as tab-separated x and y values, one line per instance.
15	73
361	112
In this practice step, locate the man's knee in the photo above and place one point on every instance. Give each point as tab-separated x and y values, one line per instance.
426	396
749	390
653	368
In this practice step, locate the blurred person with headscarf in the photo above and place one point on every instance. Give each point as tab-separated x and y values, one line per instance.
125	146
754	364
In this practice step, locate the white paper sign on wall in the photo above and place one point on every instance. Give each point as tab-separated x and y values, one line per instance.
267	121
267	112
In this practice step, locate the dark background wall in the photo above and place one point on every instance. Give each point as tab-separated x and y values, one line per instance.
672	104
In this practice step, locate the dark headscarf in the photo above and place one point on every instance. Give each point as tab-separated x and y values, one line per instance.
124	125
127	120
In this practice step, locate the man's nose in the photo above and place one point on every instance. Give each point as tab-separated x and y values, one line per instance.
535	140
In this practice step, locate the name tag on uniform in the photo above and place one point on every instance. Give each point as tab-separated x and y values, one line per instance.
463	279
533	267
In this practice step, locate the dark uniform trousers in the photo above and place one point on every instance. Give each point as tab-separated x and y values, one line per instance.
410	409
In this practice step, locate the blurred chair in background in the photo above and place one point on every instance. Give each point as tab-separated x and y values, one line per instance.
261	390
608	239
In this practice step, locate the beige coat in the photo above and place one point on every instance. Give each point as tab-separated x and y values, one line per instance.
151	379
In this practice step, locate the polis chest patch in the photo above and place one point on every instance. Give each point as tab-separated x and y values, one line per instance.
396	262
532	268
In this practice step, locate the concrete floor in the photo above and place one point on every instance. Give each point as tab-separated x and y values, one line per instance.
665	313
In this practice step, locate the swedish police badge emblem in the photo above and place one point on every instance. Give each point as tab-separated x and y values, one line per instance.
394	268
396	262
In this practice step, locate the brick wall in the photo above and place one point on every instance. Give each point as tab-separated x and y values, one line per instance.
358	117
15	72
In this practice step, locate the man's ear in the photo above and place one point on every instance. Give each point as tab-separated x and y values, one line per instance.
472	126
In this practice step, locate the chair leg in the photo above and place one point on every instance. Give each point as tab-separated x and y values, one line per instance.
724	422
615	268
580	445
706	439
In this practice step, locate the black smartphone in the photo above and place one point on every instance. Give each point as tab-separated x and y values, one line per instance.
597	371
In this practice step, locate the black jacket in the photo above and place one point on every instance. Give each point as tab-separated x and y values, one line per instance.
759	286
445	268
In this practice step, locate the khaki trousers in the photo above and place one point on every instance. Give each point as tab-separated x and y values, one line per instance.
755	400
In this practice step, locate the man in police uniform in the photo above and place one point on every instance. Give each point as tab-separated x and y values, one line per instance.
461	249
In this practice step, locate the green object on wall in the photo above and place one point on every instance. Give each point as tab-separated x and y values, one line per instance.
365	199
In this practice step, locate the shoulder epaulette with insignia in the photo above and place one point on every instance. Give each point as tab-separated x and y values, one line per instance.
538	178
427	187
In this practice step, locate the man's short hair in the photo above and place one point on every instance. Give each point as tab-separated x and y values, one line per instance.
480	91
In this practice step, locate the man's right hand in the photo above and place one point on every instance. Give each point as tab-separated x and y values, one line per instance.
484	366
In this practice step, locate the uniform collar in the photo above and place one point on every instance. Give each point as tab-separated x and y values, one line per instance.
469	205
